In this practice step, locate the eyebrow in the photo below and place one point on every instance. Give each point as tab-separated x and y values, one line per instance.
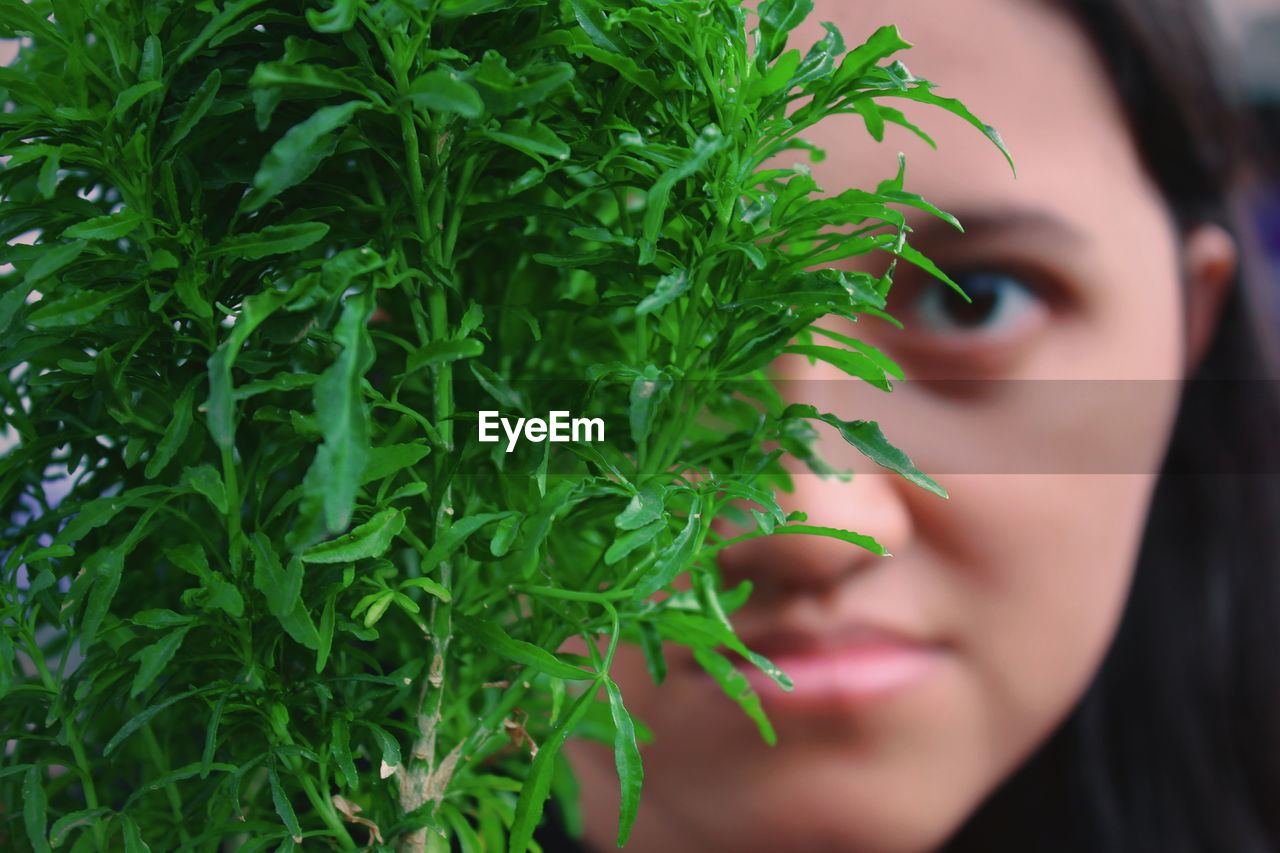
990	221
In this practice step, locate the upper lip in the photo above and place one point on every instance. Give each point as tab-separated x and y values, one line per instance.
848	634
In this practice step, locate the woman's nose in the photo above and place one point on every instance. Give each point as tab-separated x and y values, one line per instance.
873	504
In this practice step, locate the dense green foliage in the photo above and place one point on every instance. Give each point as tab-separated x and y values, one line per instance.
286	253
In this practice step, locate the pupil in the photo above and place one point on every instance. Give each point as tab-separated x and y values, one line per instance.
985	293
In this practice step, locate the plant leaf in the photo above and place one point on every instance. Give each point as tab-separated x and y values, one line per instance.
538	784
627	758
110	227
370	539
443	90
299	153
737	688
53	259
154	658
272	240
283	807
493	637
196	108
34	804
175	433
870	441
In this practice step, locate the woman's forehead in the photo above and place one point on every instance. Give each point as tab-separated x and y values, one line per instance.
1023	66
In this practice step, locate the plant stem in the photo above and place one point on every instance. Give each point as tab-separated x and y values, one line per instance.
73	737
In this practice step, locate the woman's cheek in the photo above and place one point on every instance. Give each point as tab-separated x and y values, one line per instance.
1040	594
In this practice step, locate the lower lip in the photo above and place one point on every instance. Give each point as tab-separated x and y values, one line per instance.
850	676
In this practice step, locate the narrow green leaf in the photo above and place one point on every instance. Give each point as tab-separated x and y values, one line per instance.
221	407
370	539
504	535
913	255
272	240
223	595
211	735
381	603
626	756
452	538
284	808
231	14
645	507
206	480
386	742
668	289
533	796
443	90
160	617
651	644
429	585
532	138
76	309
491	636
99	511
870	441
340	749
309	76
133	842
709	143
853	363
882	44
390	459
281	587
111	227
342	414
53	259
736	687
648	390
777	18
925	96
189	285
633	539
34	804
443	352
70	822
594	23
176	432
142	719
328	623
196	107
778	75
299	153
133	94
47	179
105	567
503	92
154	658
677	557
883	361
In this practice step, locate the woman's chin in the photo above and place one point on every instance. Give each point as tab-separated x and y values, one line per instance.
799	800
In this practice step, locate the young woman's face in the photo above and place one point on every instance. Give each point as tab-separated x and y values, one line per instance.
924	679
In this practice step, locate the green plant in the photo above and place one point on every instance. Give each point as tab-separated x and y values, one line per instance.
285	256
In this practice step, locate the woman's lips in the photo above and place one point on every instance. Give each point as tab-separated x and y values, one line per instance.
852	668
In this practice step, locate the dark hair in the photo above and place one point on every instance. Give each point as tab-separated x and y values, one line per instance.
1176	745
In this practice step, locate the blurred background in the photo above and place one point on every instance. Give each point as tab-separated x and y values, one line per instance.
1252	28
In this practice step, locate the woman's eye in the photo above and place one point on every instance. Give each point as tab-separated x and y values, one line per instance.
1001	302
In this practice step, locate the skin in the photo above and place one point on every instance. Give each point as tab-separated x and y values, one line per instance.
1020	577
